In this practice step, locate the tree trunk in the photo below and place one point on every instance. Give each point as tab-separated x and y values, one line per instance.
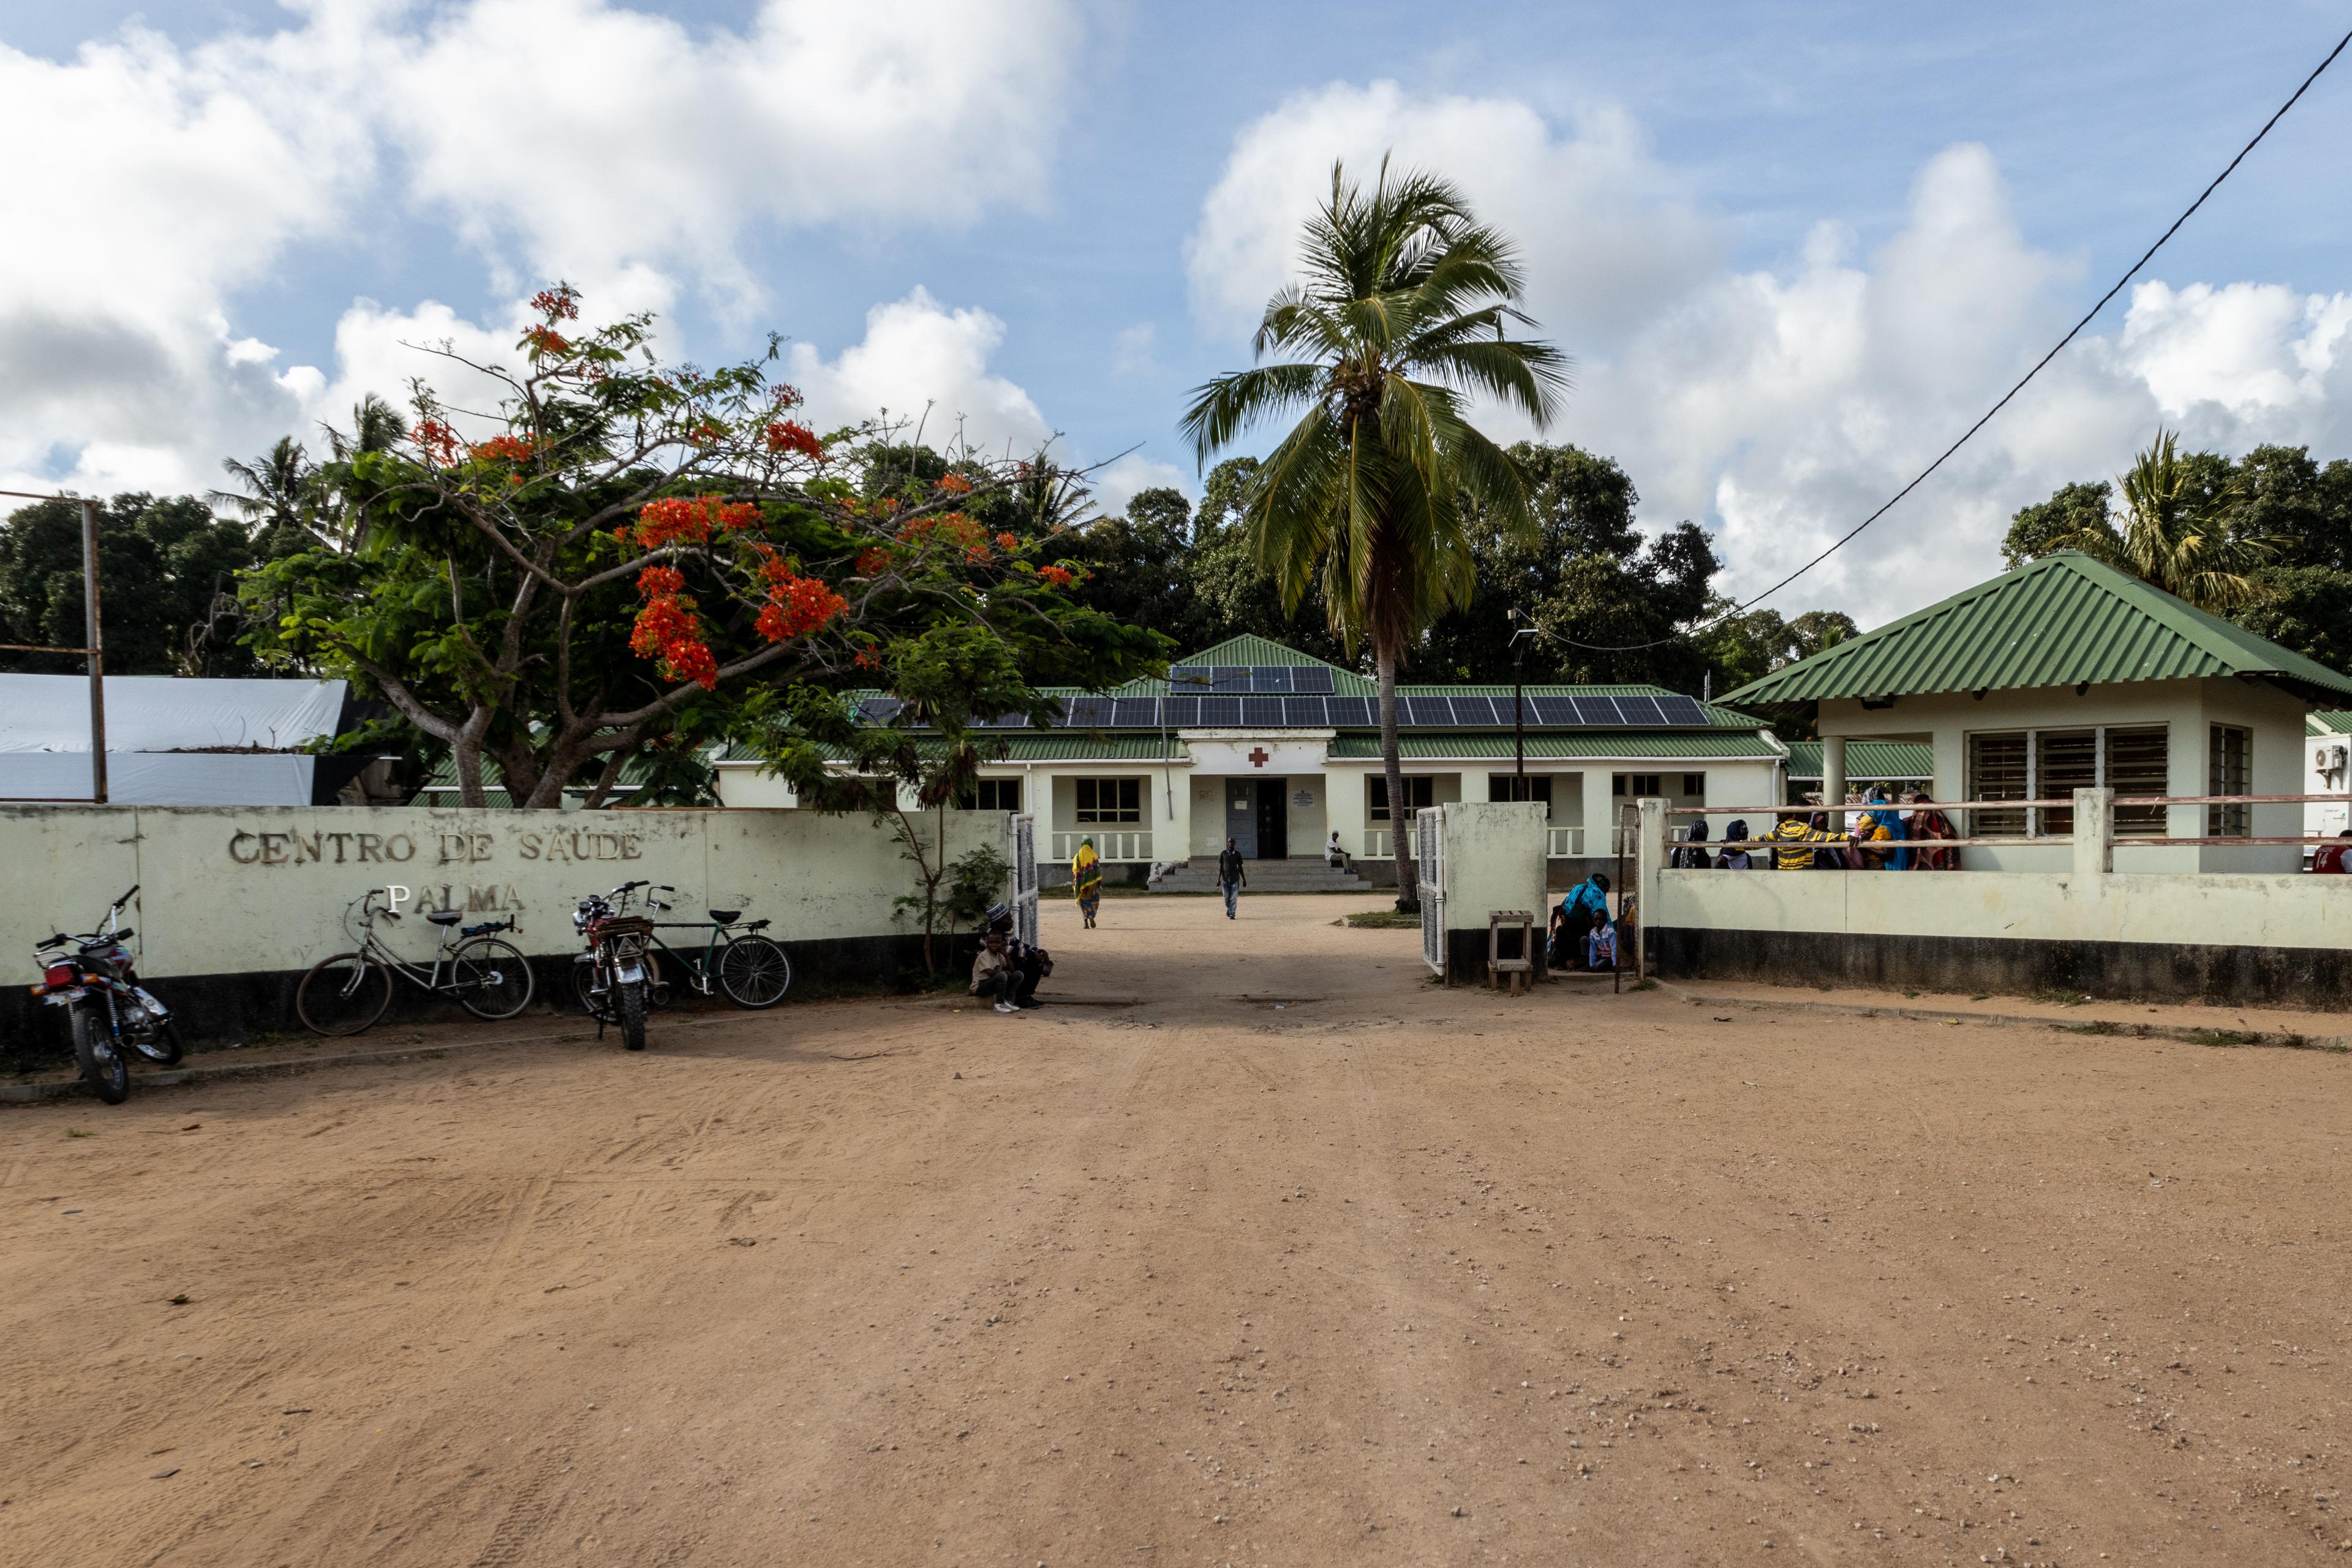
1400	813
467	755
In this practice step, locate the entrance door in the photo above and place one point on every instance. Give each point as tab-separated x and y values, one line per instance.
1240	814
1272	818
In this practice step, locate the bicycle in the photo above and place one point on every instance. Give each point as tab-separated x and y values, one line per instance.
346	993
750	970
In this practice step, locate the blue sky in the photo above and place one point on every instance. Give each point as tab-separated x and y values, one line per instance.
1795	248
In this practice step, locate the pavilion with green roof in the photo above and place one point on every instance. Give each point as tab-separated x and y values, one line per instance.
2067	673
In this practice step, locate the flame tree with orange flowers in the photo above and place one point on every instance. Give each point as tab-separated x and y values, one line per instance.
619	556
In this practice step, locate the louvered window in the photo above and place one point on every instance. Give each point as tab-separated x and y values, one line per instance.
2064	761
2138	764
2228	775
1999	768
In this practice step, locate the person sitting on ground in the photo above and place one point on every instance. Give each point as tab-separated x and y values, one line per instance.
1735	860
1688	856
1574	918
1333	856
1600	944
996	975
1034	964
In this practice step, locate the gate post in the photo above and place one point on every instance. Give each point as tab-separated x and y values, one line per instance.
2095	844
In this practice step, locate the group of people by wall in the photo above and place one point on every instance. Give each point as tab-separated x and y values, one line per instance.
1880	836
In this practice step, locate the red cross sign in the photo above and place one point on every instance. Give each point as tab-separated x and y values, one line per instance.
1258	757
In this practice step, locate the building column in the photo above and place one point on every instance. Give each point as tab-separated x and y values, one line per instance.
1834	779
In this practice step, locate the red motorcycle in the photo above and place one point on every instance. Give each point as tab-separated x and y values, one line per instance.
109	1011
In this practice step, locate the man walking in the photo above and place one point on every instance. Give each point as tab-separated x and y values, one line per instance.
1231	877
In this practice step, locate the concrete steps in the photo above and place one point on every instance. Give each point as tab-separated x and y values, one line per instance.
1298	874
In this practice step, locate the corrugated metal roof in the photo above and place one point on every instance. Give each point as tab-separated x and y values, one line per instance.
1634	746
2061	620
2333	721
1076	745
1867	760
1251	649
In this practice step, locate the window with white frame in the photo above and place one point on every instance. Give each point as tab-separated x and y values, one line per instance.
993	794
1110	800
1519	786
2052	764
1418	794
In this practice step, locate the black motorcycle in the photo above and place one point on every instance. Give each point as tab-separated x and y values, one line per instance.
111	1013
618	981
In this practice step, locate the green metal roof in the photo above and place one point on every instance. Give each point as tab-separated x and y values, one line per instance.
2334	721
1679	745
1076	745
441	787
1867	761
1251	649
2061	620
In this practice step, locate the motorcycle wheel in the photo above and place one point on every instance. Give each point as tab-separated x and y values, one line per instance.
344	994
492	978
163	1045
754	971
592	1001
630	996
102	1064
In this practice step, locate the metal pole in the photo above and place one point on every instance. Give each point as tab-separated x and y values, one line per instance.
1518	720
96	643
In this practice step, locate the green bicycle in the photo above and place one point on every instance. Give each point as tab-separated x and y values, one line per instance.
750	970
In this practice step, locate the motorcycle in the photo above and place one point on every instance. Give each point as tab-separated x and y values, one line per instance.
91	975
617	968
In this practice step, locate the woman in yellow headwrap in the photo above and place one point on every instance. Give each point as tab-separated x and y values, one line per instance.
1085	876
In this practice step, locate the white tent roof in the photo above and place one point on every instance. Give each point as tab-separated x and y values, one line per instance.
166	713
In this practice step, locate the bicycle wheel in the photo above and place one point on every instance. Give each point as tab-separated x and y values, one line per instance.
629	996
754	971
344	995
103	1063
490	979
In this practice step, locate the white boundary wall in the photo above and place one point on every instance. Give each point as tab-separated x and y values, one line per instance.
230	891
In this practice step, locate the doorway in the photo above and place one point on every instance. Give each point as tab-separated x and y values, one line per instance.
1240	814
1272	818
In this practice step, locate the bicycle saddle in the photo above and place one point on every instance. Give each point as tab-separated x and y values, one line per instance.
725	916
444	917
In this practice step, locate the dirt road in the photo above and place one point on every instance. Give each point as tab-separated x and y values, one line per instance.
1302	1261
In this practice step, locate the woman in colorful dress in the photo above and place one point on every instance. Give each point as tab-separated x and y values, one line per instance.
1086	876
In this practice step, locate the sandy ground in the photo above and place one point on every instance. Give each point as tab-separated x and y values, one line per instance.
1376	1273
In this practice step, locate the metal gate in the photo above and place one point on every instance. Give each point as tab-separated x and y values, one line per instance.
1025	880
1429	841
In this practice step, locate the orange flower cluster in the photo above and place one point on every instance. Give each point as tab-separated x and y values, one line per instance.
668	632
506	448
546	340
867	659
437	441
796	605
956	484
555	304
1006	542
1058	575
873	562
787	397
680	519
791	436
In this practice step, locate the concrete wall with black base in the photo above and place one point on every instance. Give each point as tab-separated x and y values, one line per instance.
234	904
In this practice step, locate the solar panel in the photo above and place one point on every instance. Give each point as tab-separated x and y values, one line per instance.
1180	711
1228	677
1270	678
1552	710
1086	712
1683	711
1596	711
1310	678
1641	709
1303	711
1135	712
1426	713
1220	712
878	709
1192	677
1480	709
1262	710
1348	711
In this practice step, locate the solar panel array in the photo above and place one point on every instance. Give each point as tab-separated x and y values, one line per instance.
1235	696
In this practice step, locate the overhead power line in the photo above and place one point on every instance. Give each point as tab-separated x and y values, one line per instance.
2072	332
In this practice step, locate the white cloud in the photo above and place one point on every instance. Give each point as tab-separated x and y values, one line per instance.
927	365
1119	480
1131	350
1780	406
574	137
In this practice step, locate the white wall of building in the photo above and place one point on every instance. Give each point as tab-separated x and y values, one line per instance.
2327	818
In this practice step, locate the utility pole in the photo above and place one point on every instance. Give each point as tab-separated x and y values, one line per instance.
1518	702
95	651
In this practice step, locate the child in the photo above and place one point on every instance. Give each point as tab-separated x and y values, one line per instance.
1600	944
994	974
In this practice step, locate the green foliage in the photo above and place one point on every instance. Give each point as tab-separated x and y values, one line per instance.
167	573
1746	648
2075	511
977	879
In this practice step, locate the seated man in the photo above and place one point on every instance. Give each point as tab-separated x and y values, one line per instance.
1033	962
1333	856
1573	918
995	974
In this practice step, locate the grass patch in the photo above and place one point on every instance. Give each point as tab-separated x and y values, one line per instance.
1910	994
1383	919
2221	1037
2096	1026
80	1132
1645	983
2059	996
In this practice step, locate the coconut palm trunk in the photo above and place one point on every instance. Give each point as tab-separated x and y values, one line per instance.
1400	835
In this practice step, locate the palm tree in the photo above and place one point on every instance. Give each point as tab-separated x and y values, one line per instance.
1397	324
277	491
2175	535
